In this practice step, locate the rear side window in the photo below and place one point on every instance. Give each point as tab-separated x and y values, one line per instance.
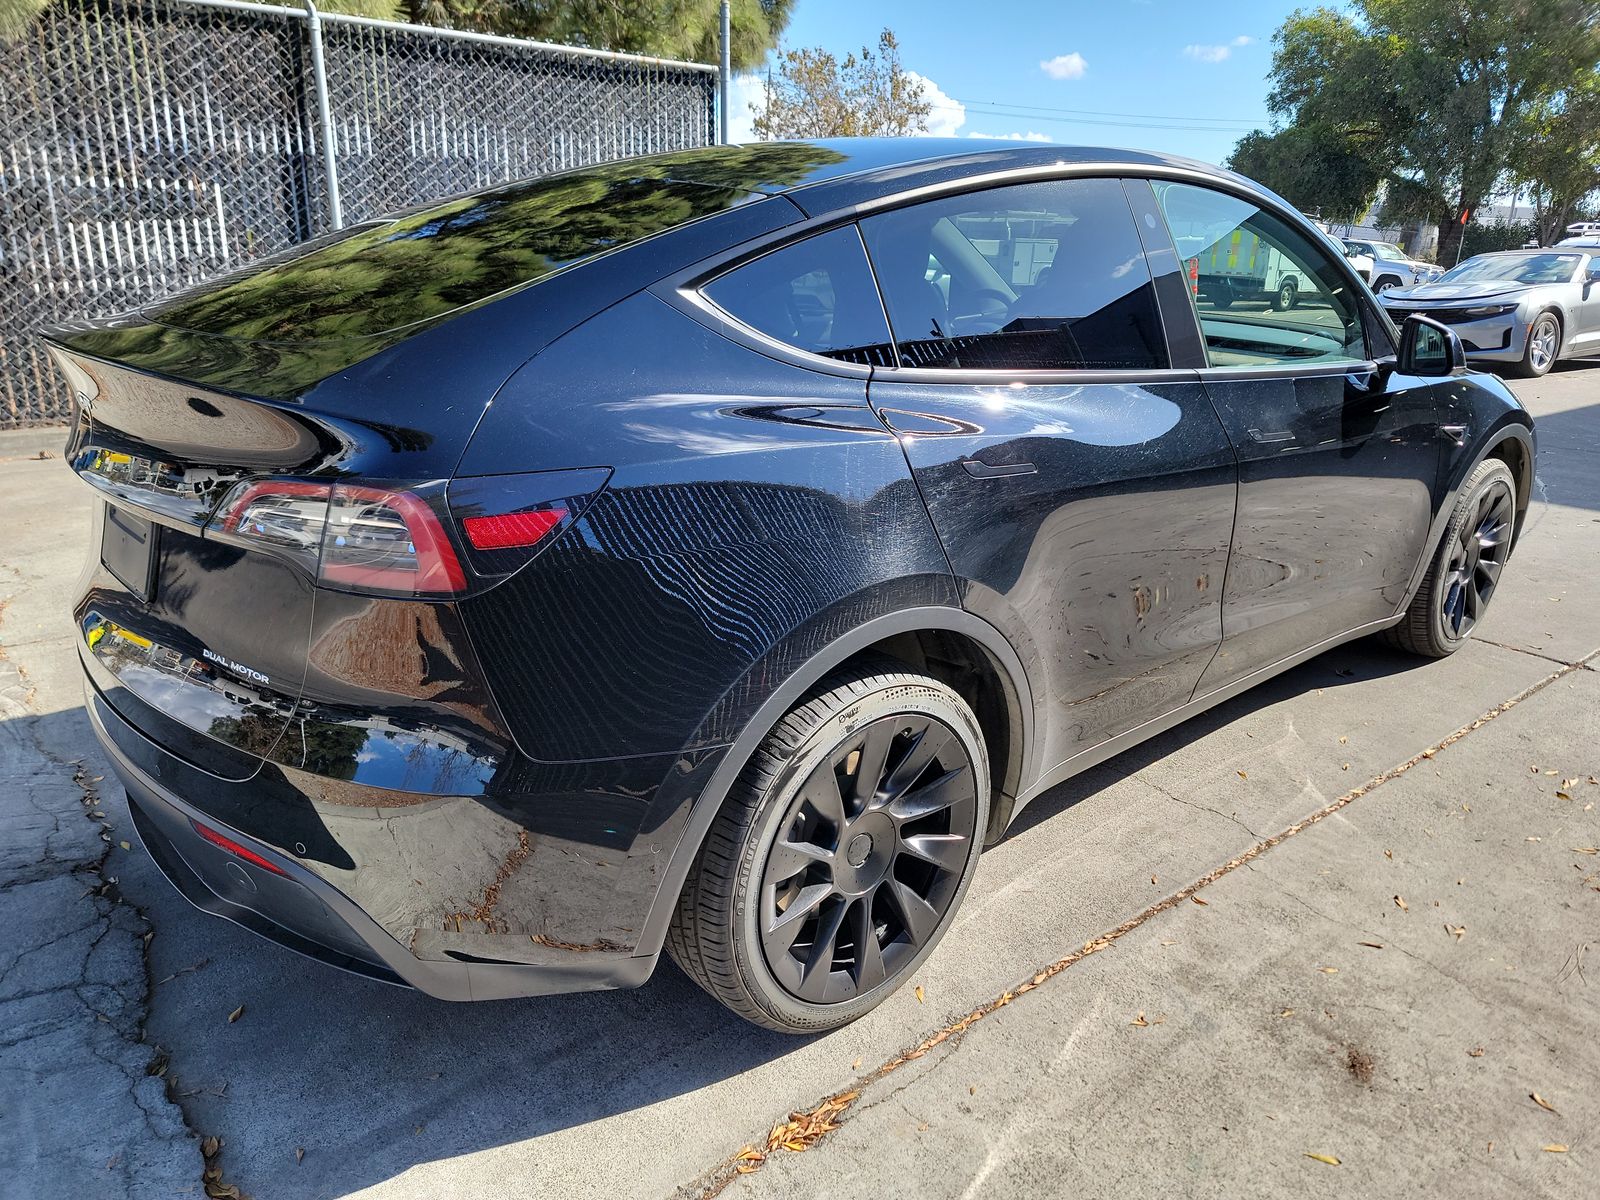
816	295
1036	276
1265	292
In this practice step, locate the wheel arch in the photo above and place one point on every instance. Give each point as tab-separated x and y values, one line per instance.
952	645
1513	445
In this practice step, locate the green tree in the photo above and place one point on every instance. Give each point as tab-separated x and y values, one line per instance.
1437	94
815	95
1556	156
1315	168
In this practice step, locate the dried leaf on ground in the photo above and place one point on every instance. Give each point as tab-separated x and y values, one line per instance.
299	1154
1371	945
1242	775
1140	1021
209	1146
919	994
1329	970
1456	931
1475	1052
1200	902
235	1014
1542	1102
1400	903
1554	1148
1324	1158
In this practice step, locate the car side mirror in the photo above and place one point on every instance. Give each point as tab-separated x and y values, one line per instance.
1430	349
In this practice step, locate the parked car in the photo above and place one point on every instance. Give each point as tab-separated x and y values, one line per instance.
1361	261
1527	309
1584	229
714	551
1391	267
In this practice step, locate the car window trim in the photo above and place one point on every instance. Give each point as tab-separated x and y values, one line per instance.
1359	293
681	288
1186	340
697	297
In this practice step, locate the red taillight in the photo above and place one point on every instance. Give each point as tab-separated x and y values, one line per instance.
384	541
509	531
235	849
407	539
352	536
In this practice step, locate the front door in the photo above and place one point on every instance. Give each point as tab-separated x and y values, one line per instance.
1338	457
1082	488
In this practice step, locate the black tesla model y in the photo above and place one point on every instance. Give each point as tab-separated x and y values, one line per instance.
714	551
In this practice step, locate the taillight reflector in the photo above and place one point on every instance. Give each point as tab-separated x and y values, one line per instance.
508	531
235	849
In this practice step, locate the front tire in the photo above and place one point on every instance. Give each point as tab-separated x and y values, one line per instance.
1544	345
1466	568
1287	295
842	853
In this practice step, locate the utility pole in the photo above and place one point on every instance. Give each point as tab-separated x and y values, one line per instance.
725	73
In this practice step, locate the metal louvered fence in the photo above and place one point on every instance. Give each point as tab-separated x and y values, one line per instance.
149	144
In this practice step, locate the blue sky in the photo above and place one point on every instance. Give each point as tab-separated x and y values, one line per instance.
1165	75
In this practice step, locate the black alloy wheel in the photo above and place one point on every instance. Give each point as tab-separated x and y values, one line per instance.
1466	569
840	858
868	858
1476	556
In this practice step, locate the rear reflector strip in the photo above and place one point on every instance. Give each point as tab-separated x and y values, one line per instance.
235	849
508	531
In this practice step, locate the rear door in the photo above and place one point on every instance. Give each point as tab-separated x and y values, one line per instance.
1083	488
1338	457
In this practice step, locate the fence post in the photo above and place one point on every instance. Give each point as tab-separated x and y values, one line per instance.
319	76
724	73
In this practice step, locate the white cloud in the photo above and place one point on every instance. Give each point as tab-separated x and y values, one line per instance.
744	95
1216	54
946	115
1065	66
1030	136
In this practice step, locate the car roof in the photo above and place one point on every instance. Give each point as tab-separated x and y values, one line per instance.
832	173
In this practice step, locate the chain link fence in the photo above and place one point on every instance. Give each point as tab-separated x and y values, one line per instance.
151	144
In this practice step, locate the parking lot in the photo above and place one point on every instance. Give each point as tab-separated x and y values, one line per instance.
1342	932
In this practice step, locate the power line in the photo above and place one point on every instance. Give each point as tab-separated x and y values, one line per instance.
1065	120
1092	112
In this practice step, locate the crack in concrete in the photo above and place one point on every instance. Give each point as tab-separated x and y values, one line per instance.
1550	658
1173	796
102	992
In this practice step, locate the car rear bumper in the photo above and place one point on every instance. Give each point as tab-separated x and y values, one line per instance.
307	914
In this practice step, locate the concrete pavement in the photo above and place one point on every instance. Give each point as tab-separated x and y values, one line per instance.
390	1094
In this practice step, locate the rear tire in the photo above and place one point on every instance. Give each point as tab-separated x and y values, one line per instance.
876	869
1287	295
1466	567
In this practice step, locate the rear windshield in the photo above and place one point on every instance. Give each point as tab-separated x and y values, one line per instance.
383	275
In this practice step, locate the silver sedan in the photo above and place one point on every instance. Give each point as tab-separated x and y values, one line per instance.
1524	308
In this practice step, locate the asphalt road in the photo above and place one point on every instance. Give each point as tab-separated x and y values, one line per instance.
1251	1055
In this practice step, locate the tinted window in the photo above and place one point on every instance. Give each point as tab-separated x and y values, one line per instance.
1265	292
1037	276
816	295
